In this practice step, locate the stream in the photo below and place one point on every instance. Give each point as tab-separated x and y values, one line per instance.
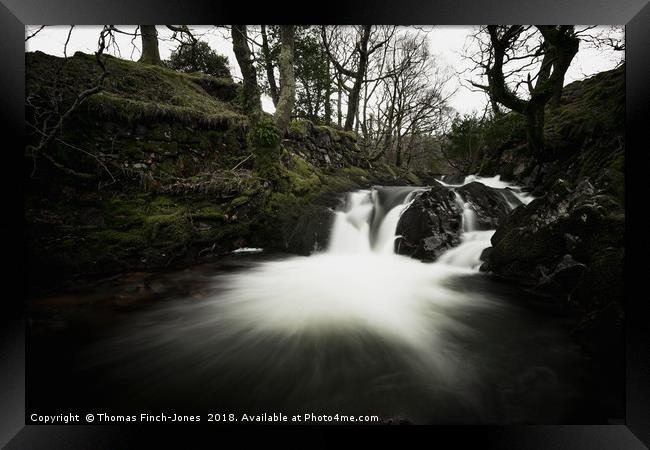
355	329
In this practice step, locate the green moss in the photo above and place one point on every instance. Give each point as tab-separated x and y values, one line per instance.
132	92
413	178
265	141
389	169
616	175
297	129
241	200
356	171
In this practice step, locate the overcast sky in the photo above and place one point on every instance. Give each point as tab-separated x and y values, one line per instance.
446	42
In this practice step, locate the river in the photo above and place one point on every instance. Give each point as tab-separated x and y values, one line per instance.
355	329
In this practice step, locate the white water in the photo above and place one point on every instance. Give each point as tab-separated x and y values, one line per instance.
359	283
353	228
496	183
354	329
468	253
248	250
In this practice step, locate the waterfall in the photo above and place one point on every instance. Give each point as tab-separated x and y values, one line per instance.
355	326
368	220
496	183
468	218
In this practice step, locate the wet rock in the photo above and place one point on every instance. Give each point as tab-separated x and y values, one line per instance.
568	243
490	205
431	225
433	222
564	277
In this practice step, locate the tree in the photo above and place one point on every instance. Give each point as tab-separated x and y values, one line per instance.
269	60
312	78
149	36
363	47
404	99
250	89
199	58
150	53
287	93
553	51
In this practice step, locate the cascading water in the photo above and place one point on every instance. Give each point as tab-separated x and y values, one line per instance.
473	241
356	329
496	183
368	221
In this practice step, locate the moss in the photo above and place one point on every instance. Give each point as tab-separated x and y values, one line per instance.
389	169
413	178
132	92
355	171
298	129
616	176
265	141
241	200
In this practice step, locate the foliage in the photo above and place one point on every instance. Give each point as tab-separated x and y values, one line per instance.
312	74
471	137
311	70
199	57
265	134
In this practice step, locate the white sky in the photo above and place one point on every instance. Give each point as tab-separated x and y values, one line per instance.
446	42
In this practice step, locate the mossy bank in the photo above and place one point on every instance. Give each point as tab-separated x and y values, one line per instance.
160	172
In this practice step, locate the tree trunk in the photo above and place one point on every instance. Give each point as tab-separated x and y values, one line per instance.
535	130
251	91
287	79
353	98
495	108
268	65
339	109
328	96
150	53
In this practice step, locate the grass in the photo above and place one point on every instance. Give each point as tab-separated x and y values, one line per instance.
134	91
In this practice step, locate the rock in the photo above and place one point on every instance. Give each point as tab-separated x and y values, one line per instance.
602	281
568	243
431	225
490	205
564	277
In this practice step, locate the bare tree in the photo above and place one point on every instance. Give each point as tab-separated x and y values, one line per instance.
268	65
407	100
363	47
548	48
50	114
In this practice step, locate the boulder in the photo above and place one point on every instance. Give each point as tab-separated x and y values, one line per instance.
568	243
490	205
432	223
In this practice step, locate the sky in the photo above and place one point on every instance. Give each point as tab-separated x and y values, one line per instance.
445	42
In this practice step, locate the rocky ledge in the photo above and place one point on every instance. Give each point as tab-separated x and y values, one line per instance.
432	224
566	243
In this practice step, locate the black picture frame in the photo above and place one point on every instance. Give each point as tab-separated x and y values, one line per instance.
635	14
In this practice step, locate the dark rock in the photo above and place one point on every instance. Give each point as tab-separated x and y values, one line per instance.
431	225
309	232
532	245
564	277
490	205
602	282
